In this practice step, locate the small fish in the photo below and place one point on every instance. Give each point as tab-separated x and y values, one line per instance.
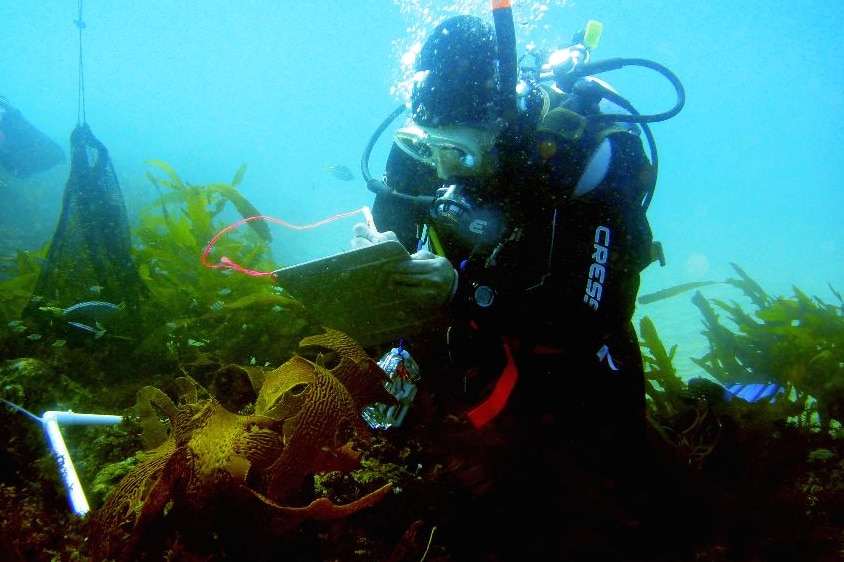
821	455
82	314
92	309
97	330
342	173
54	309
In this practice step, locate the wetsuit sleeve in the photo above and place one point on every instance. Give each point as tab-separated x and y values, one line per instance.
402	212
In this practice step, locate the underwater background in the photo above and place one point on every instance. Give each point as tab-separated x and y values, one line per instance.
239	409
751	171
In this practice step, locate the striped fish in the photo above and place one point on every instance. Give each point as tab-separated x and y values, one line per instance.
97	330
342	173
94	310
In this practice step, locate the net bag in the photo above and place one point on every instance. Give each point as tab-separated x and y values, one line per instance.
90	254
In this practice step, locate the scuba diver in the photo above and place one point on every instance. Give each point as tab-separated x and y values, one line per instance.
24	150
523	206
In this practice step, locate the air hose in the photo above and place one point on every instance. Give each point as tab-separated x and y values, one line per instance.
376	185
590	69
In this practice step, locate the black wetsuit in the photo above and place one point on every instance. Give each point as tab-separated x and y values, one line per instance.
564	284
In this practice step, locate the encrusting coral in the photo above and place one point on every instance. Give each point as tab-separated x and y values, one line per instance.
220	479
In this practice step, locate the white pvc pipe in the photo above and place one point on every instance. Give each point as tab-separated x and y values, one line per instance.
72	418
51	420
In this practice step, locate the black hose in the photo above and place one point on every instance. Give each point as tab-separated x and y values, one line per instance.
614	64
376	185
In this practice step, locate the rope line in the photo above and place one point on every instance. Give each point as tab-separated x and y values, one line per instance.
80	24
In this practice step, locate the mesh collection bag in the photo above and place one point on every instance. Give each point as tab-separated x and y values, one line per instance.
90	254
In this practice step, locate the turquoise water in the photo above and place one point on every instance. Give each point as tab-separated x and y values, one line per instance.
751	171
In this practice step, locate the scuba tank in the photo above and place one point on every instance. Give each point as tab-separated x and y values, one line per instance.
571	72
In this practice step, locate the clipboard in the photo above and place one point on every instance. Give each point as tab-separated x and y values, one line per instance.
347	292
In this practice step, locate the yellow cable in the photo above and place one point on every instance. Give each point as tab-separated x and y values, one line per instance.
435	241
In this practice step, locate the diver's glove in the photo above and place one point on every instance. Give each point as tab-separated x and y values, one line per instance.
427	279
365	235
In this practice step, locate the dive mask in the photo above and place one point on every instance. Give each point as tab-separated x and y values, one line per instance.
455	150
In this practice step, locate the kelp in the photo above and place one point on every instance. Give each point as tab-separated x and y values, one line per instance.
215	478
203	310
796	342
662	382
16	291
212	197
193	311
673	291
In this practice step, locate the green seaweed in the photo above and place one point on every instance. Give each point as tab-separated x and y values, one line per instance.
796	342
212	196
662	383
206	312
16	291
194	312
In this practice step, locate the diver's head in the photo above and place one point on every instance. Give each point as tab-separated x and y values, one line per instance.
456	75
455	103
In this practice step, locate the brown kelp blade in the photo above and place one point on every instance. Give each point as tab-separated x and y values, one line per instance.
673	291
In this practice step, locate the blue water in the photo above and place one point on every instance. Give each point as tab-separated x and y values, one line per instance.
751	171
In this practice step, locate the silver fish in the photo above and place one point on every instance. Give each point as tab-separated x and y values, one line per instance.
97	330
91	309
341	172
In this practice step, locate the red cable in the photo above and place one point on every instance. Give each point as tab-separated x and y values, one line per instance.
226	263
